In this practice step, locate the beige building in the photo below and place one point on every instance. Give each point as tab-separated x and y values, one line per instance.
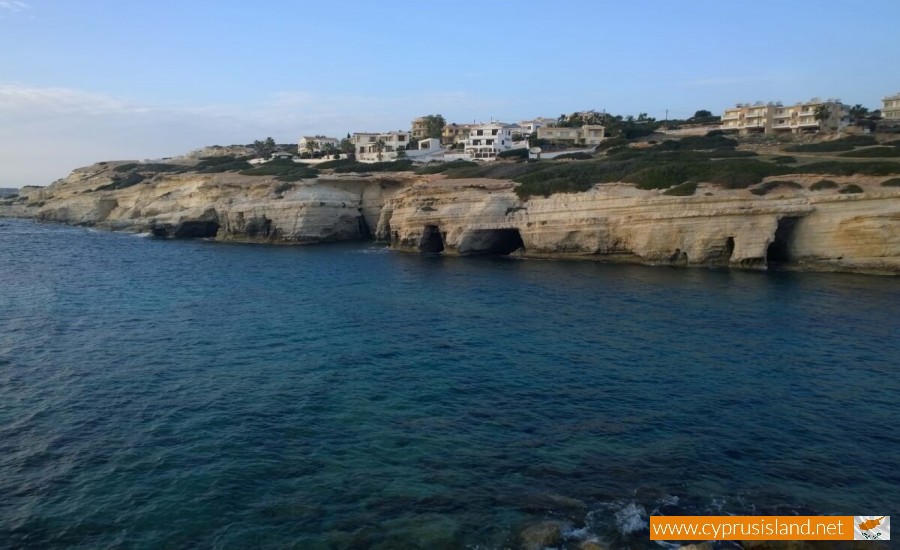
771	118
456	133
419	128
589	134
319	143
377	147
890	108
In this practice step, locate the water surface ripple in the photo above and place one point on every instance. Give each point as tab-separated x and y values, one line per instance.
175	394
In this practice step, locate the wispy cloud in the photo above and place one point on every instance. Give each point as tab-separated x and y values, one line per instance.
82	127
13	6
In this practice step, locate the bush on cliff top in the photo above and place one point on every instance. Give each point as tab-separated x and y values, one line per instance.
873	152
842	144
283	170
850	188
893	182
513	154
156	167
773	184
682	190
441	167
822	185
362	167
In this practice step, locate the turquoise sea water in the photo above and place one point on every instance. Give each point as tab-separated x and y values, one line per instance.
194	394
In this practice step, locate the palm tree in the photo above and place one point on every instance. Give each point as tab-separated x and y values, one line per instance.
858	111
311	146
822	113
379	148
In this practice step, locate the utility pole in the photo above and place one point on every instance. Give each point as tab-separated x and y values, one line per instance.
666	124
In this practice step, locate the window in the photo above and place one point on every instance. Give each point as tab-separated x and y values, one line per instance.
401	138
488	142
479	132
494	132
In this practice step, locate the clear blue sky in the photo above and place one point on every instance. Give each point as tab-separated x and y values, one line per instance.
90	80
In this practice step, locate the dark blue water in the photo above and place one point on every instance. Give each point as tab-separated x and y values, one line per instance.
173	394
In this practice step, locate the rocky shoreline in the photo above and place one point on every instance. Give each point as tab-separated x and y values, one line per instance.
792	228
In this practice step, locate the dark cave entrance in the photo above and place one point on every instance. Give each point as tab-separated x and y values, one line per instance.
779	250
196	230
495	242
431	241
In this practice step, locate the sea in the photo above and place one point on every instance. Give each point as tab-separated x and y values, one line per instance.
195	394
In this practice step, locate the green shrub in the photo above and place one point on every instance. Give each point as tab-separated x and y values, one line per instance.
121	182
150	167
842	144
893	143
770	185
611	143
284	188
893	182
873	152
697	143
337	163
441	167
838	168
821	185
283	170
574	156
784	159
662	176
387	166
545	188
513	154
850	188
682	190
225	163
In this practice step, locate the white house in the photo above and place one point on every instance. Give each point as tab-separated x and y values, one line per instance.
486	141
320	143
377	147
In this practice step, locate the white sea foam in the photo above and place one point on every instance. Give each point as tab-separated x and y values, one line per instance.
631	518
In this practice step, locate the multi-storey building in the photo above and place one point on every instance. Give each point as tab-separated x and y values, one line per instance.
455	133
530	127
589	134
377	147
485	141
890	108
319	143
419	128
779	118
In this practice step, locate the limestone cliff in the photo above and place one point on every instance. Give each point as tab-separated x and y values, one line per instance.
797	228
617	222
226	206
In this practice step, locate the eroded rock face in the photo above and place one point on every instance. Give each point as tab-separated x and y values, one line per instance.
618	222
794	228
225	206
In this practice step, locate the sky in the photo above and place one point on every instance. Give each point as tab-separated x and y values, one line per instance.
90	80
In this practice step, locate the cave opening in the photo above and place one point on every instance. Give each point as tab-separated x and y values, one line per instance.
494	242
431	241
196	229
779	250
729	248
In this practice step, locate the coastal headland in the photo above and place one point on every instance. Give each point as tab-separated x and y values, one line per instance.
703	201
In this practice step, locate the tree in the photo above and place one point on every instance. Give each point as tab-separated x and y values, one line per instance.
822	113
702	113
401	154
379	148
434	125
858	111
264	148
346	146
311	146
330	149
